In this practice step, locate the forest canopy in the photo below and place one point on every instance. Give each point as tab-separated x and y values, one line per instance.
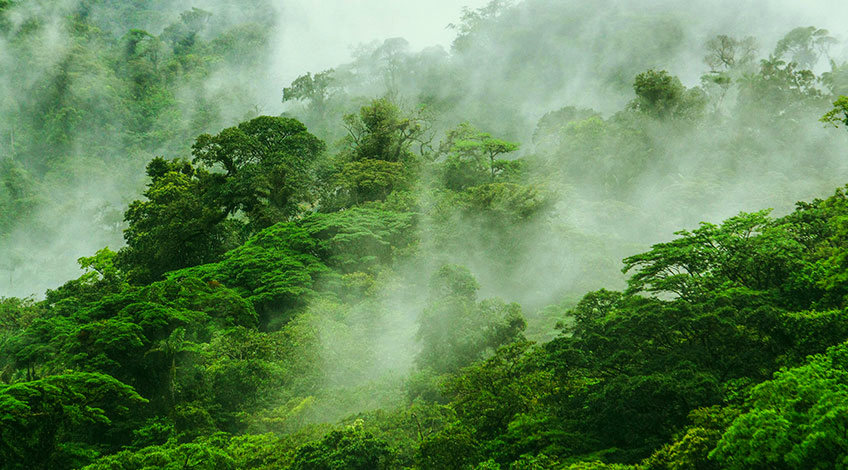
428	259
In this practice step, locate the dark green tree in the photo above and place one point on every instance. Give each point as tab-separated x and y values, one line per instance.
352	448
175	227
797	420
661	95
267	165
377	158
64	421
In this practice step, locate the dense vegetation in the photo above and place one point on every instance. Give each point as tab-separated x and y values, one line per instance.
316	290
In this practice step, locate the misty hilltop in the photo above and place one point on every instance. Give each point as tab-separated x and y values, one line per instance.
528	234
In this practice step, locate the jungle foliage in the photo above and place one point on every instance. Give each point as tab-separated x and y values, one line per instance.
325	300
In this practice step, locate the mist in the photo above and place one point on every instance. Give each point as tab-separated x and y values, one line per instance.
305	36
414	253
316	37
311	37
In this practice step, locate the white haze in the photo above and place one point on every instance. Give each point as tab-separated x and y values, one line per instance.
311	36
318	35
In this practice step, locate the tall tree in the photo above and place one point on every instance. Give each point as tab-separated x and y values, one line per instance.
267	165
175	227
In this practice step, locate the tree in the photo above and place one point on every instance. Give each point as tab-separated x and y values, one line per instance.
550	127
101	277
183	34
473	20
267	164
267	175
691	449
470	154
489	395
20	194
379	131
385	60
804	46
657	92
367	180
316	89
455	330
361	239
377	159
168	349
837	79
274	270
497	203
780	82
839	114
256	379
725	52
795	421
661	95
453	448
175	227
64	421
748	251
352	448
209	453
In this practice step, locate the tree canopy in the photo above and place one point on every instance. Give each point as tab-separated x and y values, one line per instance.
429	259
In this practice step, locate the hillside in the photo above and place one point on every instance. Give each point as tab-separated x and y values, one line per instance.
544	246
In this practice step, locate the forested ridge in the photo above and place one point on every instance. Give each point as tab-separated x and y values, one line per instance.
421	262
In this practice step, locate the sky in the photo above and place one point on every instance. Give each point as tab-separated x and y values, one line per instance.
319	34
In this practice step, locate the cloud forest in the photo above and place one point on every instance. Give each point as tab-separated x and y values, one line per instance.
483	235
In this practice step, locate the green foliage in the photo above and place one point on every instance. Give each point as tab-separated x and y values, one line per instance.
500	202
174	228
580	146
369	180
267	164
661	95
470	157
317	89
553	123
287	248
785	85
795	420
497	396
381	132
19	193
804	45
725	52
101	277
454	330
837	79
748	251
360	239
453	448
352	448
218	451
377	157
64	421
839	114
266	286
475	19
93	113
